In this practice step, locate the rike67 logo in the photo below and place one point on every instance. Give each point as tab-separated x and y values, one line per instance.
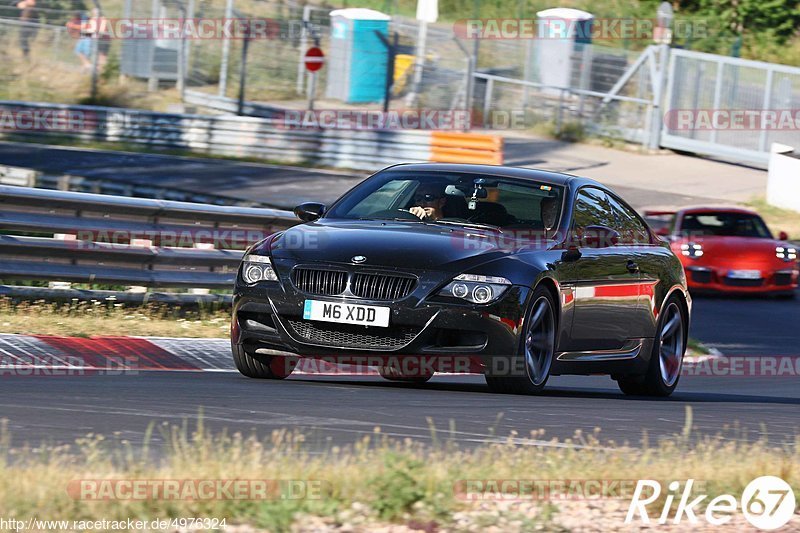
768	502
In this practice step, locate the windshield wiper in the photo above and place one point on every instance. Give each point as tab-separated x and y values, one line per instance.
471	225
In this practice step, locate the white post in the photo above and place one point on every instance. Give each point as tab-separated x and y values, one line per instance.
312	89
226	52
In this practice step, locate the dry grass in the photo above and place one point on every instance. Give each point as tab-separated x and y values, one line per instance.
83	319
377	480
778	219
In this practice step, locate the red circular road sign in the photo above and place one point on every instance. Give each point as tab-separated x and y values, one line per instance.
314	59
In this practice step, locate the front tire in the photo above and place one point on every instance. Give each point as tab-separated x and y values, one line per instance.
259	366
666	358
530	367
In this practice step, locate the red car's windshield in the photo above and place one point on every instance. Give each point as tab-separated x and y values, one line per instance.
725	224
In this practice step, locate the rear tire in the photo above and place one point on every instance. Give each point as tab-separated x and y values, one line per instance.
666	358
529	368
260	366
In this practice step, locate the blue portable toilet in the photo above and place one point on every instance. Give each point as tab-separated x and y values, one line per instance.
357	59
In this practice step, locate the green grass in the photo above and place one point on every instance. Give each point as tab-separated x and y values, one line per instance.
377	480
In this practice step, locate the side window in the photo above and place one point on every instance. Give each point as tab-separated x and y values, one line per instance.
631	229
592	208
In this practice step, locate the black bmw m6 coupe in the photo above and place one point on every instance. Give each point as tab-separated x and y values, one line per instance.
523	274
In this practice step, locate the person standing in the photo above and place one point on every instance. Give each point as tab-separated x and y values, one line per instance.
78	28
27	32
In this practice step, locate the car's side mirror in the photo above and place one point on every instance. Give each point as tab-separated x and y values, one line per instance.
571	254
309	211
599	237
783	236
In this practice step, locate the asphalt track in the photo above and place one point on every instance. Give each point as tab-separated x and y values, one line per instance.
341	409
275	185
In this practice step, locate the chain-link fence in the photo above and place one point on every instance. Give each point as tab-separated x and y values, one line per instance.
608	91
506	83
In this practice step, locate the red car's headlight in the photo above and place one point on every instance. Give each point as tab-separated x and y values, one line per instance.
786	253
692	250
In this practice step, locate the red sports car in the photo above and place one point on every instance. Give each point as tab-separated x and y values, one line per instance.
729	249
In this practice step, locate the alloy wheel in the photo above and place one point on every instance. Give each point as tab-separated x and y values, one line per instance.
540	341
671	345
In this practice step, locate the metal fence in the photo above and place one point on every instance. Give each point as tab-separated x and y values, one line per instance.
706	83
610	92
100	239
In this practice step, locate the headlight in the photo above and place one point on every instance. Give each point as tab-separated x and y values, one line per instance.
692	250
475	288
786	253
257	268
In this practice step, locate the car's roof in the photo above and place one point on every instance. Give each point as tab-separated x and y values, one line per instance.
717	209
544	176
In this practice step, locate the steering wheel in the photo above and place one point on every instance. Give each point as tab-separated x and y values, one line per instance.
395	213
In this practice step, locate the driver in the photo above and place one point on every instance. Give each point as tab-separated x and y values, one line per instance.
428	202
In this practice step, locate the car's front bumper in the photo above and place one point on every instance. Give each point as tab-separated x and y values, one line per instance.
718	279
269	316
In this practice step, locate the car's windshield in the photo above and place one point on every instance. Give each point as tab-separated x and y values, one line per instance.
726	224
450	198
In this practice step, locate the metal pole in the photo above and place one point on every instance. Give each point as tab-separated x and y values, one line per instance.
659	101
226	52
95	49
762	139
391	49
243	73
487	101
469	89
152	81
312	89
419	65
301	67
526	71
180	84
476	13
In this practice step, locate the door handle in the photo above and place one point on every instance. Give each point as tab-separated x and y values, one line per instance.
633	267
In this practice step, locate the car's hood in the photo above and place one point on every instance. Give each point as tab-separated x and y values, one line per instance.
404	245
735	247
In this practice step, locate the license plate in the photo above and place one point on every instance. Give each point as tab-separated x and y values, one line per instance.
744	274
365	315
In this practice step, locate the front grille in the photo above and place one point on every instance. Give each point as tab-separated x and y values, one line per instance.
738	282
382	286
317	281
351	336
783	278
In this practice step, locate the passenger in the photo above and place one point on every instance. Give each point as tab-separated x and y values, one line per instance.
549	213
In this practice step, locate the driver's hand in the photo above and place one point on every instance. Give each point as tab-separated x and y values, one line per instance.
421	212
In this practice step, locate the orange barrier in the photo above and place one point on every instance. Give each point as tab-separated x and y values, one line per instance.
477	148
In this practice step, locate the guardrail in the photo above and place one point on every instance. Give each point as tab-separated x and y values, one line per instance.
100	239
265	138
27	177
